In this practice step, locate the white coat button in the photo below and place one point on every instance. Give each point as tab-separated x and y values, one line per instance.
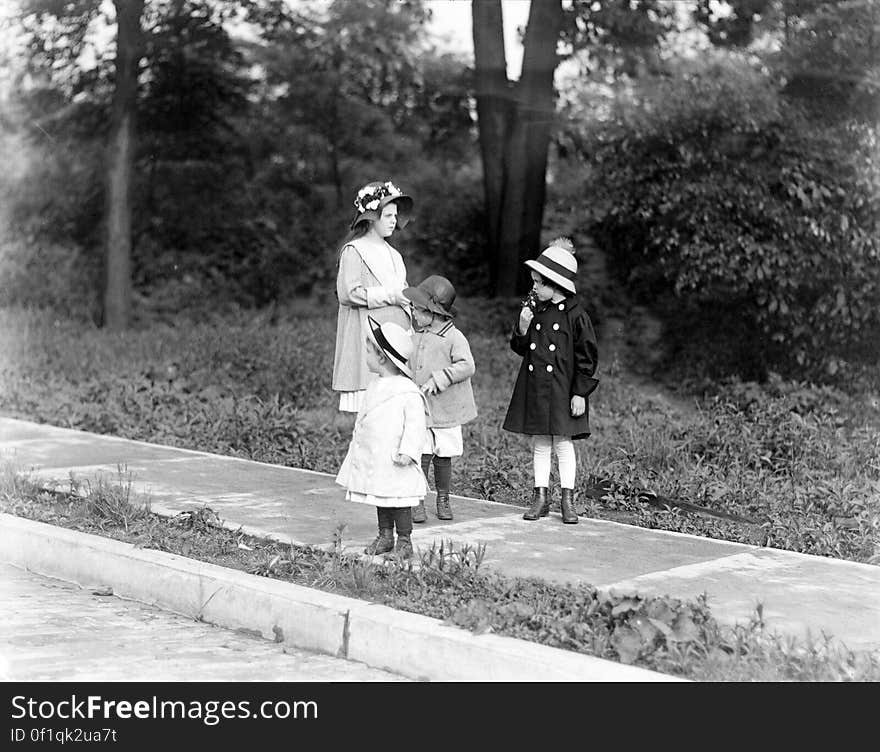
549	369
538	327
555	327
552	348
532	346
562	306
531	367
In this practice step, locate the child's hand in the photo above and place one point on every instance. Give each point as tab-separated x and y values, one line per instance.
430	386
402	460
525	318
578	406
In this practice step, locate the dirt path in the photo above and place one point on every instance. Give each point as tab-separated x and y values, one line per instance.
630	336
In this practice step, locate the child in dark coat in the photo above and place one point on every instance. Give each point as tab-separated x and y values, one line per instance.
559	356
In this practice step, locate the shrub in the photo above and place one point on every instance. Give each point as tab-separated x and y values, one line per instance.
753	217
39	273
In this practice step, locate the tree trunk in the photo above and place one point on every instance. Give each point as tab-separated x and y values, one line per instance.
515	127
494	114
538	104
120	161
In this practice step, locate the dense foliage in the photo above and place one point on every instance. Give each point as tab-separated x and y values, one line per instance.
760	221
250	146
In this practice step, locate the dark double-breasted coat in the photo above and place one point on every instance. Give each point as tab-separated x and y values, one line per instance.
559	357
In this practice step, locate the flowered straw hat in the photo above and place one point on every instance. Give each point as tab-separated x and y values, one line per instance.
557	264
373	197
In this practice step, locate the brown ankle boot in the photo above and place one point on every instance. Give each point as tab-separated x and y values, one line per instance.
383	543
419	514
540	505
444	511
569	515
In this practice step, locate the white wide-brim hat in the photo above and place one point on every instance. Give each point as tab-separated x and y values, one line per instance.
392	340
557	265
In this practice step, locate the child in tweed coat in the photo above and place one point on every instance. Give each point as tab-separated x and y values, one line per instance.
442	366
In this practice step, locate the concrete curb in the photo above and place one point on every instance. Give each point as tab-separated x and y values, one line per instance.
414	646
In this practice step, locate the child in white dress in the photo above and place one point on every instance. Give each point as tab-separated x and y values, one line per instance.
382	465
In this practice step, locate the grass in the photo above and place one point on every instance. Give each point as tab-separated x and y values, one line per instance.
677	637
800	463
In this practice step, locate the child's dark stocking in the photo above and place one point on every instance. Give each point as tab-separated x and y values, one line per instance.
418	513
403	521
442	481
385	540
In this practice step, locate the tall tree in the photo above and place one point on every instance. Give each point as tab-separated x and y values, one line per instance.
515	126
517	120
828	52
494	112
120	162
172	62
351	77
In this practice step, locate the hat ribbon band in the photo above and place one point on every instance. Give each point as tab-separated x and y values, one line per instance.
555	267
386	345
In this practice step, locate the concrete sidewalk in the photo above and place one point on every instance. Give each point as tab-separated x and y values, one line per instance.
800	594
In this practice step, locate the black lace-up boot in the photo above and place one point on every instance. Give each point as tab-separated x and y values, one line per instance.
540	505
444	511
569	515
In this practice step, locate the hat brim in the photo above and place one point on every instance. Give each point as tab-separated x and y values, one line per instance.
419	298
554	277
404	211
385	346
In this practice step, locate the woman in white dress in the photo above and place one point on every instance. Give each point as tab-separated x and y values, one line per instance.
370	280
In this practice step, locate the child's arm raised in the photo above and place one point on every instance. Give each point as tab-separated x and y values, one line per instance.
519	339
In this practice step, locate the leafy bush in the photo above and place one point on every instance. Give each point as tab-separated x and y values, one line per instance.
40	273
448	233
753	217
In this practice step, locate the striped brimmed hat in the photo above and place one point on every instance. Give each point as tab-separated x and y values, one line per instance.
557	264
394	342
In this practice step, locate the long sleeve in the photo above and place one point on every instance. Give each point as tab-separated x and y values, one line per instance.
350	289
586	354
462	363
519	343
413	438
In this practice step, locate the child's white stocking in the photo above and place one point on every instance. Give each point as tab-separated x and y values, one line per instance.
543	447
567	461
